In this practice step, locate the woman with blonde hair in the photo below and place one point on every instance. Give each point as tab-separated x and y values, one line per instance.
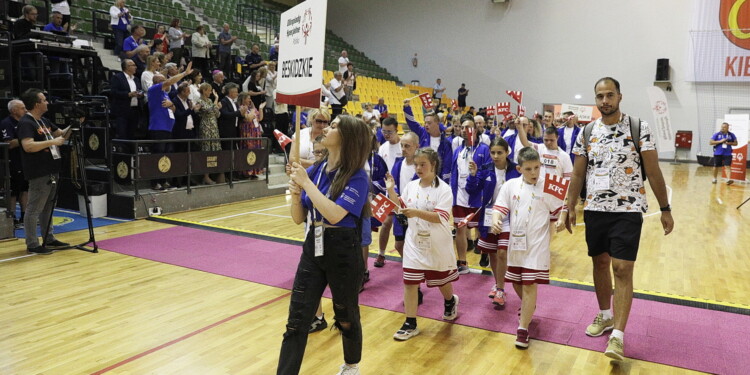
317	121
209	112
147	77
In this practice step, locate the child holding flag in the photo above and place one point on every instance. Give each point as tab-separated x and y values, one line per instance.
428	255
531	205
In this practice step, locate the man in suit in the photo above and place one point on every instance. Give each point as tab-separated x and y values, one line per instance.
127	98
185	123
217	83
230	115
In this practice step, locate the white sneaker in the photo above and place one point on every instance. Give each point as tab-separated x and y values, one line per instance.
405	333
452	314
348	370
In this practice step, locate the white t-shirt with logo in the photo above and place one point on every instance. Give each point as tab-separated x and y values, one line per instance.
389	152
440	255
554	161
612	154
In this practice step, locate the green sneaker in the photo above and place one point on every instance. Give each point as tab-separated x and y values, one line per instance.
600	325
615	349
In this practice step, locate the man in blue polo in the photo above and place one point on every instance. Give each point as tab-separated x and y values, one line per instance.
723	141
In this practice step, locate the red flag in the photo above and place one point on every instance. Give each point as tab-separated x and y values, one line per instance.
282	138
516	95
491	110
503	108
521	110
381	207
470	136
454	105
426	100
556	186
465	221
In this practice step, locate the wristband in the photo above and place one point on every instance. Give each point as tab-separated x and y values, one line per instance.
667	208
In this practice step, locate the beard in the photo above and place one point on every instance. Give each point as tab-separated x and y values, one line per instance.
612	109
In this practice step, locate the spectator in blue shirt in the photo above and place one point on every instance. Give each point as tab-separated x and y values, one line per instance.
225	49
133	41
723	142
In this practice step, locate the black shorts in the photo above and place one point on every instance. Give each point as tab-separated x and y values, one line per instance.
615	233
722	160
18	183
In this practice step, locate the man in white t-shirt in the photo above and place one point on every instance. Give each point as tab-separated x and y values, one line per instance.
437	92
391	149
343	61
336	86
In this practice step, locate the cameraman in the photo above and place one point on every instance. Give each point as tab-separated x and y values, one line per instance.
40	157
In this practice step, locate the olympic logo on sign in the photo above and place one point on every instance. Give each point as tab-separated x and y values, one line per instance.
735	22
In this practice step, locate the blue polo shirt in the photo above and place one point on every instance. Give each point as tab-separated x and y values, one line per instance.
352	198
130	44
51	27
723	149
160	118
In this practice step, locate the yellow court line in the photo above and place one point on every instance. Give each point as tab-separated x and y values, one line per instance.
577	282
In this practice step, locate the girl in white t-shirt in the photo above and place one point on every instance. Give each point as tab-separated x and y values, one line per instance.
531	211
428	247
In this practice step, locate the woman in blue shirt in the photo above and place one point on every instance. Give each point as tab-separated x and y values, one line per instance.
335	194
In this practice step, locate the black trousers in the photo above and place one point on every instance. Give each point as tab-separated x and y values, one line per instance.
336	109
342	268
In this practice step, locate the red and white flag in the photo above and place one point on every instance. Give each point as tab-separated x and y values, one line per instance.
516	95
282	138
470	136
426	100
556	186
465	221
491	110
503	108
454	105
521	110
381	207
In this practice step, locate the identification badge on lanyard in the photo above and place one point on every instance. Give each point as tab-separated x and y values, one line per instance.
423	240
518	240
601	179
488	216
55	151
318	241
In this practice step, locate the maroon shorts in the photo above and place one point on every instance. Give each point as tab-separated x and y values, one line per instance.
493	242
460	212
433	278
526	276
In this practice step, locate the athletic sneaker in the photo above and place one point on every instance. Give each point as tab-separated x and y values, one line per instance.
39	250
600	325
615	349
522	338
729	182
348	370
713	181
451	310
499	298
463	267
57	243
379	261
492	292
484	261
318	324
406	332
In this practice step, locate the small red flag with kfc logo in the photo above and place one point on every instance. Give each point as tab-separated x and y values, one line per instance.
516	95
381	207
426	100
521	110
470	136
281	138
454	105
490	110
556	186
503	108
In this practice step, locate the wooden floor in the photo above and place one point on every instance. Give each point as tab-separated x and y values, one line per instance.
78	313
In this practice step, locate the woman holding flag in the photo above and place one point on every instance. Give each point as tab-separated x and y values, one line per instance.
428	255
335	194
465	204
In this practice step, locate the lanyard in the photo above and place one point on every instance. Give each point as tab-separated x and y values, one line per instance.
47	135
321	170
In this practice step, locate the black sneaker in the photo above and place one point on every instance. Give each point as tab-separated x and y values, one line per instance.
470	246
57	243
318	324
41	250
485	260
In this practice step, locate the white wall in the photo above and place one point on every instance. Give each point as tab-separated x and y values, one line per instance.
551	50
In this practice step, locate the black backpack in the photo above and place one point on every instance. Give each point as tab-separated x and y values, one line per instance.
635	135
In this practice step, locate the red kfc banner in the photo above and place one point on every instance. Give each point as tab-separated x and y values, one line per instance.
556	186
281	138
426	100
470	136
490	110
503	108
521	110
381	207
516	95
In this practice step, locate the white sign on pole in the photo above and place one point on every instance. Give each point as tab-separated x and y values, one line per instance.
302	37
662	126
584	112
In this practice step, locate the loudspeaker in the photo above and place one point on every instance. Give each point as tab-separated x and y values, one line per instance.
662	69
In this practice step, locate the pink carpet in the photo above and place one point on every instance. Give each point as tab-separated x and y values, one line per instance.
693	338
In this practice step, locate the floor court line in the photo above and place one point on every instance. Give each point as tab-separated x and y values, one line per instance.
189	335
18	257
244	213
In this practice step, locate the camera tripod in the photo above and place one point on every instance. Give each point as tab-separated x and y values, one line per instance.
77	167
